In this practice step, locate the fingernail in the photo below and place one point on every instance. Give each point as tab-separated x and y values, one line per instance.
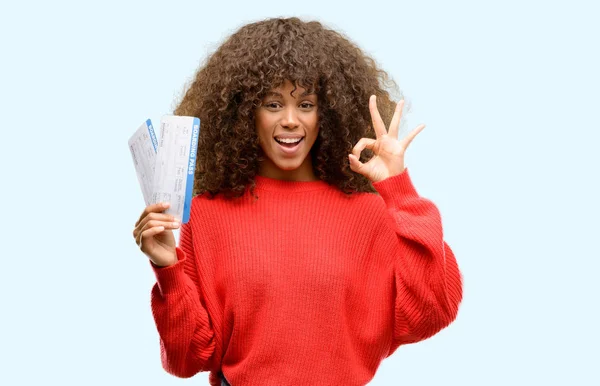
175	224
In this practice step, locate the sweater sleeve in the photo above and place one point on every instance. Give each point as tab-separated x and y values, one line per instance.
427	278
187	339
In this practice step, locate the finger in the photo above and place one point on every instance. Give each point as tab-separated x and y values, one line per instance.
164	225
363	143
395	123
141	225
155	216
355	163
408	139
152	224
378	124
148	233
158	207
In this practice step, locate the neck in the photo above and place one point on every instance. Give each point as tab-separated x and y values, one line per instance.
303	173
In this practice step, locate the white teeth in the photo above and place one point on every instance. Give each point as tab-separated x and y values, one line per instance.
288	140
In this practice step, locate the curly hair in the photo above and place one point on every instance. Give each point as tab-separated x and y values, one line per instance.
260	56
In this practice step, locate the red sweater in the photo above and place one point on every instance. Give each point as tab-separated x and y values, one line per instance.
304	286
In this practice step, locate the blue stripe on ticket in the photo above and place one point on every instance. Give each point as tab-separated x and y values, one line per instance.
152	135
189	185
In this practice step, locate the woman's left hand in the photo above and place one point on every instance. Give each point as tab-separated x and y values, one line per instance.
389	152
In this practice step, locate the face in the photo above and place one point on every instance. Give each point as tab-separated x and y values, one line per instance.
287	127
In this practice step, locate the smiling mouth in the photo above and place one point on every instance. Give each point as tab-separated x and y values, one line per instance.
290	149
289	145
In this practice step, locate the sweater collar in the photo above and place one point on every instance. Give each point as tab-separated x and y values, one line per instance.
272	184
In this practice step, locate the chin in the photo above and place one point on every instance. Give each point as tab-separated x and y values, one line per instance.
288	167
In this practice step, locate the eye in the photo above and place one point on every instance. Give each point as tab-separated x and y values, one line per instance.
272	105
307	105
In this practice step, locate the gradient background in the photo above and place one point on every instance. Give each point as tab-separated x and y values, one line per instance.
509	93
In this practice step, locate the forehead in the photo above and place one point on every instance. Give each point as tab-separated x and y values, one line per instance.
279	93
288	86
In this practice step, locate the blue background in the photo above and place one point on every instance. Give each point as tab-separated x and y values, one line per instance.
509	92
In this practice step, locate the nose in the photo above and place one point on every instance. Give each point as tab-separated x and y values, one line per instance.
290	118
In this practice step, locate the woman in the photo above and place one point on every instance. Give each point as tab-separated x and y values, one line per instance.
305	261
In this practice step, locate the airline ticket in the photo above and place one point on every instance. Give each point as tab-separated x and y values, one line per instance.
143	146
174	163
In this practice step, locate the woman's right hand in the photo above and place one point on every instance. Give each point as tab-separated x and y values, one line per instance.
153	234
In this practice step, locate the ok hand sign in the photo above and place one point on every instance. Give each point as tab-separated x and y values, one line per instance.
389	152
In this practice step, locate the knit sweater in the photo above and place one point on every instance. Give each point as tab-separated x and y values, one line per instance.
304	286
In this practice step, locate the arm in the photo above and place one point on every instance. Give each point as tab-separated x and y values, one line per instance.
428	281
187	341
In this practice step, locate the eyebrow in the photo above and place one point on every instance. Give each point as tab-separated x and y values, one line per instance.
273	93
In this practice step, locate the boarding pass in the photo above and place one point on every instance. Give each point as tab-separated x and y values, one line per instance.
165	168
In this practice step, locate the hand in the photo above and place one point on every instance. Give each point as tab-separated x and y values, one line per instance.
389	152
153	234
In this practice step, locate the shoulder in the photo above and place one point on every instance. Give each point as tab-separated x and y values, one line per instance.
205	217
201	208
204	203
205	207
371	204
371	200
